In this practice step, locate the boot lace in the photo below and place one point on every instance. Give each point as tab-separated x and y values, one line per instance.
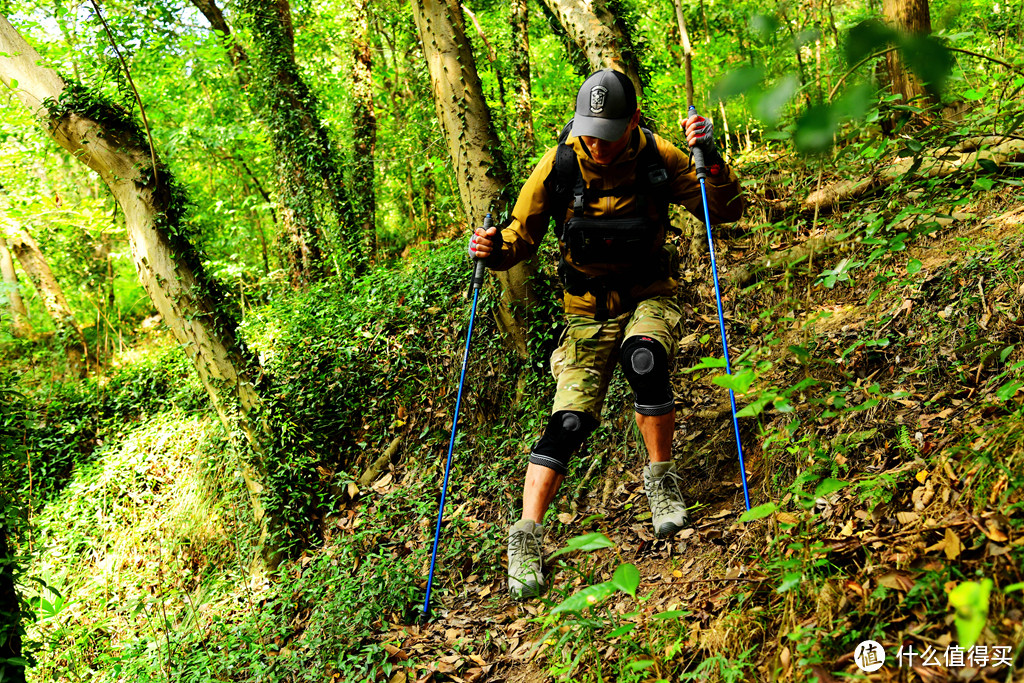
524	547
667	494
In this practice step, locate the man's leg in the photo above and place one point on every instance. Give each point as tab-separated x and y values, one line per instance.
646	360
539	490
657	431
582	365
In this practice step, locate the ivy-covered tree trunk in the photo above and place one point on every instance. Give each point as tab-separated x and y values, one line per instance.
35	265
364	135
602	37
169	267
522	102
472	142
310	182
909	16
20	326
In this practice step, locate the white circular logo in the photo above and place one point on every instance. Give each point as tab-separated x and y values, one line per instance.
869	655
597	94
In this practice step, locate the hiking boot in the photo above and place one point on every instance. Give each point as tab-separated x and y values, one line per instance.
525	543
668	511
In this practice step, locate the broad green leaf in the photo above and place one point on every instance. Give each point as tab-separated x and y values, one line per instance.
789	582
740	383
866	38
913	266
814	129
1014	587
929	59
622	631
1008	390
671	614
757	407
738	82
770	104
642	664
1005	353
759	512
588	597
585	543
828	487
12	84
707	362
626	578
970	600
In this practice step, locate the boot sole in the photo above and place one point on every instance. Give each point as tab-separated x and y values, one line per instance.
670	529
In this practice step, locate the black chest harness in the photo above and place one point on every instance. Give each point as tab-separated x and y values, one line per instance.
603	240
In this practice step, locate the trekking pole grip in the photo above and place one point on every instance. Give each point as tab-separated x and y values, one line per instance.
479	265
697	152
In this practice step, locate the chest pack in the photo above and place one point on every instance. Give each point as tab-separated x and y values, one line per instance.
609	240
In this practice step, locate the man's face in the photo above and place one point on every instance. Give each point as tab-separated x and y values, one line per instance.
605	152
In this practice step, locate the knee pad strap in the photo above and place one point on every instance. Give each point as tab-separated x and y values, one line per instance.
644	361
565	433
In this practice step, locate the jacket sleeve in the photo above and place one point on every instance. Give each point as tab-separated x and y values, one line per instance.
530	218
725	199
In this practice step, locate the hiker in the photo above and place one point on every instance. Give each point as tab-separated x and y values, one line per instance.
607	184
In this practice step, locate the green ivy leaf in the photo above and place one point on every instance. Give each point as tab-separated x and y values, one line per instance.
738	82
913	266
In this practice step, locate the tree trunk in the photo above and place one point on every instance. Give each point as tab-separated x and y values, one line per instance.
19	315
598	33
472	143
364	135
310	183
909	16
239	59
169	267
69	334
522	102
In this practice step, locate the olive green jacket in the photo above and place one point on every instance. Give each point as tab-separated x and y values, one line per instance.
534	207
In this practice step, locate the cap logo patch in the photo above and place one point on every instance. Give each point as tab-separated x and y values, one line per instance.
597	97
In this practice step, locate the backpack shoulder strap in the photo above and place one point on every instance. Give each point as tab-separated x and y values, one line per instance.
565	179
652	176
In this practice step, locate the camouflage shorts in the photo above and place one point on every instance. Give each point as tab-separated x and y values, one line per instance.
589	351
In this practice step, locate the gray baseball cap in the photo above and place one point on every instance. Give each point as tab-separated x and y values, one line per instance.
604	105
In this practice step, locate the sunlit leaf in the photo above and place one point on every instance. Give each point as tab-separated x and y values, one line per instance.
626	578
740	382
828	487
970	600
588	597
585	543
759	512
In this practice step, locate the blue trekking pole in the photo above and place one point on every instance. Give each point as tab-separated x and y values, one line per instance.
702	174
474	287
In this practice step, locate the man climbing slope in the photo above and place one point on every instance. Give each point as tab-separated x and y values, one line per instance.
607	186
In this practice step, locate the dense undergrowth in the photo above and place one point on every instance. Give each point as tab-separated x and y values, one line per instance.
879	388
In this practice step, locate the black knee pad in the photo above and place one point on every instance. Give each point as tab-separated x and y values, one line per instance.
645	364
566	432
